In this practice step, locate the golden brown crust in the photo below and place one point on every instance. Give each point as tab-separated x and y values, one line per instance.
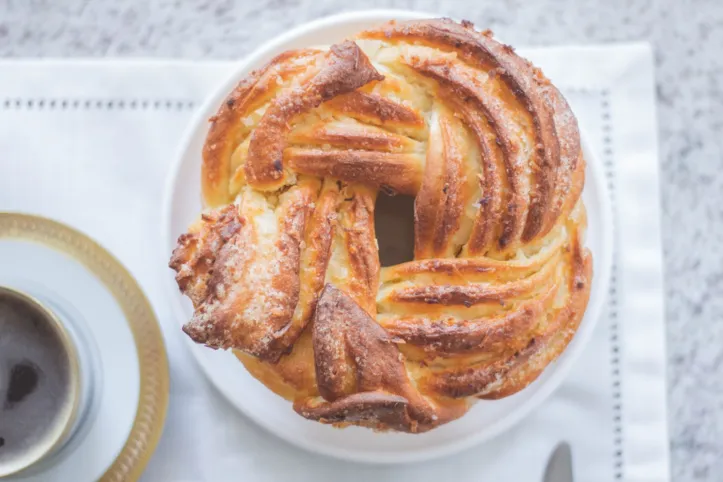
463	89
504	376
357	228
547	109
376	110
353	135
288	276
253	286
440	202
361	371
369	409
226	127
196	252
313	262
345	69
490	335
397	173
491	213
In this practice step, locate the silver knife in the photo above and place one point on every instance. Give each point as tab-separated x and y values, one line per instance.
559	467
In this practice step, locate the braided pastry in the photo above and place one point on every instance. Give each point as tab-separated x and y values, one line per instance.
283	265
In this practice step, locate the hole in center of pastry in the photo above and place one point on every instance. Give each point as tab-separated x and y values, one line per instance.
394	225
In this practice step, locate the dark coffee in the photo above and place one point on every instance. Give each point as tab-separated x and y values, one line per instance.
23	381
35	379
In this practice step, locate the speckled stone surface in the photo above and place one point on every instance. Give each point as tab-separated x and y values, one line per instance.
688	39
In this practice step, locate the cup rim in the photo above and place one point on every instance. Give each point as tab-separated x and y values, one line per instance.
67	422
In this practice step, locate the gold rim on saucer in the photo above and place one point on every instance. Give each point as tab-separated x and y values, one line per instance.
153	362
64	425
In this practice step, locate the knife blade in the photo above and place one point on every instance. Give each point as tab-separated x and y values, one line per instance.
559	467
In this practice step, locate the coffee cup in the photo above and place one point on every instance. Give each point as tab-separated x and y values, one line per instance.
45	380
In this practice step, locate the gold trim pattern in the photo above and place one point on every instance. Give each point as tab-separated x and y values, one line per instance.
153	361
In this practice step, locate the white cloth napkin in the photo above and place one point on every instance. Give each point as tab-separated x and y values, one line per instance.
90	143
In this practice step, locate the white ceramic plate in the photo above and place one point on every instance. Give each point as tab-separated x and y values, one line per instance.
487	418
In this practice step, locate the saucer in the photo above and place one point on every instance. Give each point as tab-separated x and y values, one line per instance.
77	277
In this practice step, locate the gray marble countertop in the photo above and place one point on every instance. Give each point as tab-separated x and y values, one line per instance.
688	39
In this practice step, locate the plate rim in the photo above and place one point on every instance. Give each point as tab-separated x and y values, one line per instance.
602	268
